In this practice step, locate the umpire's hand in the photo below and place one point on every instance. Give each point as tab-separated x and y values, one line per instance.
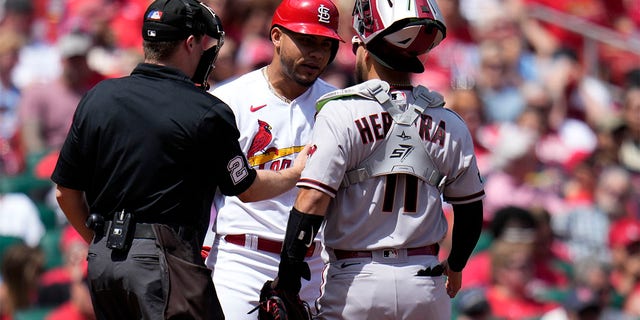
454	280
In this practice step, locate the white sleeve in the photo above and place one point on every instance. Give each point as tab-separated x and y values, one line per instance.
326	166
464	183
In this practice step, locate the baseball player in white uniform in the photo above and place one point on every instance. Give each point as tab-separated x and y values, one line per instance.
274	109
384	155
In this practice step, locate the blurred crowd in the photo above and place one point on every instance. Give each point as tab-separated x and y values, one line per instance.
553	110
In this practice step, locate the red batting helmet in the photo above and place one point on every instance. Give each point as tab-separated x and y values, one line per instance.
396	33
314	17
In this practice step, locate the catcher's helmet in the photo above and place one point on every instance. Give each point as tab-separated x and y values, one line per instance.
397	32
312	17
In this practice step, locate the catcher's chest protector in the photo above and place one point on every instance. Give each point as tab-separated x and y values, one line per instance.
402	151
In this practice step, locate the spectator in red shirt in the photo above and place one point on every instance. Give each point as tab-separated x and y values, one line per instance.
511	294
519	226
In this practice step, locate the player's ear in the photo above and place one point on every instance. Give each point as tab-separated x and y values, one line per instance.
276	35
190	42
368	58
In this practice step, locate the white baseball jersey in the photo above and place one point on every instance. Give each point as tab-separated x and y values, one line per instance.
390	211
272	132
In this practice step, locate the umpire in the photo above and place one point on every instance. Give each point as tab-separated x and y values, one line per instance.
138	170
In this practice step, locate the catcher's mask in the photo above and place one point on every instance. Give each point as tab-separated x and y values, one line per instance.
171	20
398	32
312	17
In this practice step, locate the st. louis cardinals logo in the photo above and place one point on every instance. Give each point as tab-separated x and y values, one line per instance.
261	140
261	153
324	14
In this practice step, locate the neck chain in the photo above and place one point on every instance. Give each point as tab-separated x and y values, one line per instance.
271	88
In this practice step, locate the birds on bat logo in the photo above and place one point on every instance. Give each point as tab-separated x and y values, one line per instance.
261	140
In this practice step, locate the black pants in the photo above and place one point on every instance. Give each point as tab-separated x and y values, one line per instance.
162	278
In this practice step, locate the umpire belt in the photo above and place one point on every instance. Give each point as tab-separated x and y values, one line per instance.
254	242
430	250
145	231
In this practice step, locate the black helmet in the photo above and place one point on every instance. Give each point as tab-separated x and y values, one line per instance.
169	20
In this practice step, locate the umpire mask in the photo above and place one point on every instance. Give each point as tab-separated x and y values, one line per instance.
208	58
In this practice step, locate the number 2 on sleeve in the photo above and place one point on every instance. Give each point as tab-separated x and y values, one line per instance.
237	170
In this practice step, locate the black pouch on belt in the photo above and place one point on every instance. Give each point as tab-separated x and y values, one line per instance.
121	231
190	291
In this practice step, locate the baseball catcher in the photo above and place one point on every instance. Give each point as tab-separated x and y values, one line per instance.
386	154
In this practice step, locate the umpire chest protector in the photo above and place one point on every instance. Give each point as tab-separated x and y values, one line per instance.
402	151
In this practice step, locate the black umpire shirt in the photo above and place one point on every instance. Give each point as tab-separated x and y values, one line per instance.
154	144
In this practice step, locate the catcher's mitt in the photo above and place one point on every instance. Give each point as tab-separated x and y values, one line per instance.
278	304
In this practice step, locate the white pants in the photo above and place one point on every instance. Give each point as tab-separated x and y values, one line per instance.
383	288
238	275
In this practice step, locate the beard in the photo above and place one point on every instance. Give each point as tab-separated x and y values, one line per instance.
289	69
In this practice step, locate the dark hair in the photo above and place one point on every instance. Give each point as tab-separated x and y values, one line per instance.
162	50
19	6
632	78
21	268
511	216
473	302
566	52
159	50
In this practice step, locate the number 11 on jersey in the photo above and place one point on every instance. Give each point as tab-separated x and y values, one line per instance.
410	201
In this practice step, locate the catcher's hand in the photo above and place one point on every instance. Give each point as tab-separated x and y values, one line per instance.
280	304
